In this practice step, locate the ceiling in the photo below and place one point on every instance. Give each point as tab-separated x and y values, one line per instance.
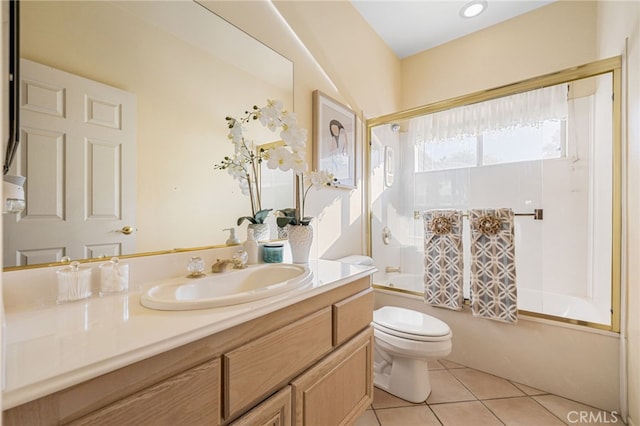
412	26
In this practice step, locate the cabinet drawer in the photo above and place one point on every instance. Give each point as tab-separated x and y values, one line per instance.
192	397
258	368
337	389
352	315
275	411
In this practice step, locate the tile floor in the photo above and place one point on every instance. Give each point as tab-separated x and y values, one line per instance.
461	396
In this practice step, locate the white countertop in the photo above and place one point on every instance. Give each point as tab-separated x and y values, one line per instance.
52	348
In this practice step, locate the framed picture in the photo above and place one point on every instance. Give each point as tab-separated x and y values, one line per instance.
334	135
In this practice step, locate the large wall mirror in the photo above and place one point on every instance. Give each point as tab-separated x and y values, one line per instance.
123	108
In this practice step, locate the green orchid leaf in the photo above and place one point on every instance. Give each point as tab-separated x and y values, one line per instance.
283	221
289	212
262	215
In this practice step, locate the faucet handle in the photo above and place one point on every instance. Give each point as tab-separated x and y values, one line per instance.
195	267
240	259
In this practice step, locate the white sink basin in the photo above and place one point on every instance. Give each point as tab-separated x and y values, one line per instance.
226	288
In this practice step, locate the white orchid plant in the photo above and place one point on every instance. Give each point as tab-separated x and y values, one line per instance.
243	165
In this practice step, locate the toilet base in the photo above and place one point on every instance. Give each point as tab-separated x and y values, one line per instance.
406	378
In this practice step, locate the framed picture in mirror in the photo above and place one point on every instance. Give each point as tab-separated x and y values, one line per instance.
334	131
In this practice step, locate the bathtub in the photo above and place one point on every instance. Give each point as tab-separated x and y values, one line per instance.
562	305
403	281
535	301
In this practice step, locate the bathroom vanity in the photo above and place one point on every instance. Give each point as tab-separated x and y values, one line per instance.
300	358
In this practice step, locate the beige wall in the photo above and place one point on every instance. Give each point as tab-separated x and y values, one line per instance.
548	39
619	25
348	62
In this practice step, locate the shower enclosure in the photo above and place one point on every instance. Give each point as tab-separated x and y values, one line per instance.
547	148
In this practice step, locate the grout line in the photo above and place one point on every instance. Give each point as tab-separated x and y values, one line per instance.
514	383
463	385
492	412
435	414
549	411
375	414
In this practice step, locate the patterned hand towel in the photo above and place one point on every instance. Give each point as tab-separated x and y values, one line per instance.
443	258
493	269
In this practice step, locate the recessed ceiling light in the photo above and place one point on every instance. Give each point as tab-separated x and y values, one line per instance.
473	9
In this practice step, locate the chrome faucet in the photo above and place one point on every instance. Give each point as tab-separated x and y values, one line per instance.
239	261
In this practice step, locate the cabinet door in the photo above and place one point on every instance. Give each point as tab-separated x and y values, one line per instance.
337	389
257	369
275	411
352	315
192	398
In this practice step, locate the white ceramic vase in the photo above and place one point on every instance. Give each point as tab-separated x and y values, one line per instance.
261	231
300	239
283	232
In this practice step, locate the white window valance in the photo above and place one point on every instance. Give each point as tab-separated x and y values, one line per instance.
529	108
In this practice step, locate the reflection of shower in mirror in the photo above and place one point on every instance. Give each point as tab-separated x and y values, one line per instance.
386	235
389	167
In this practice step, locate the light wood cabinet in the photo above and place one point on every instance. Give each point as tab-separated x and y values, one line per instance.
339	388
258	368
351	315
309	363
275	411
192	398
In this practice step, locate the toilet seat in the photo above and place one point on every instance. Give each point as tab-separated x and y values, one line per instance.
409	324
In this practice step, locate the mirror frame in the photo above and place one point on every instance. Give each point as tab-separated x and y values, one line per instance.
611	65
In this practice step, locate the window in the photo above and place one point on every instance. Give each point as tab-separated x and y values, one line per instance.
542	141
524	143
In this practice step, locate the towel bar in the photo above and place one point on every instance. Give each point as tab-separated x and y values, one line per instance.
538	214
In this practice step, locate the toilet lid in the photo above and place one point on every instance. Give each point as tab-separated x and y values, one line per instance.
410	322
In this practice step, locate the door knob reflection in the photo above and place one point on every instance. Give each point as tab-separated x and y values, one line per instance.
126	230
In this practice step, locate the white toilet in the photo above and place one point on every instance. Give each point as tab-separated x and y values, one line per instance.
404	341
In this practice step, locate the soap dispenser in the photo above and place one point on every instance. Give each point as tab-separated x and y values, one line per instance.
232	240
251	247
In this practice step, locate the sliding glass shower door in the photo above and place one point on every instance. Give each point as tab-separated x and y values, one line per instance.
547	154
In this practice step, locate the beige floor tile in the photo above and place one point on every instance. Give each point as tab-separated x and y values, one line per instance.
572	412
486	386
528	389
450	364
446	388
434	364
368	418
418	415
470	413
382	399
523	411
